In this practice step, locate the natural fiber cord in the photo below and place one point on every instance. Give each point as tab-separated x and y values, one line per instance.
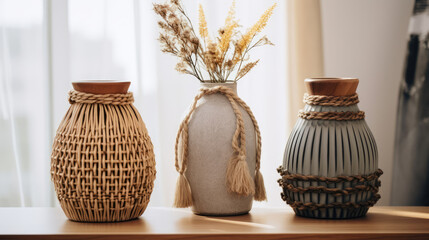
320	100
364	183
238	176
337	116
112	99
102	163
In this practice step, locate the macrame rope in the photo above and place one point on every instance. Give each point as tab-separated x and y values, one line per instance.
364	183
113	99
321	100
238	175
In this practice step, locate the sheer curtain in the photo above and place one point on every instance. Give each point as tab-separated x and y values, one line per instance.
25	107
44	45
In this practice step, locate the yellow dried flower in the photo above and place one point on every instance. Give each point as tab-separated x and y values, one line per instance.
204	33
226	38
228	31
256	28
246	69
231	14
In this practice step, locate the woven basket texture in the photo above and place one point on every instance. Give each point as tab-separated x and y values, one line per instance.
102	162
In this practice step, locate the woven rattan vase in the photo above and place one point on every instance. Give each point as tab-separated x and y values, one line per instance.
102	163
330	163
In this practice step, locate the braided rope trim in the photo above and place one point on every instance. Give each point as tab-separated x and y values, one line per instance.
322	100
314	206
338	116
89	98
299	177
337	192
369	183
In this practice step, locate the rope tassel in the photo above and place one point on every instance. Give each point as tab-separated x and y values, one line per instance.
260	194
183	196
238	177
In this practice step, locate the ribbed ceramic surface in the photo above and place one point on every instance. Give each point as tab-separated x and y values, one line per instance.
330	148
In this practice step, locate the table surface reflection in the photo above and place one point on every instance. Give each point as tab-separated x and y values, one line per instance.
260	223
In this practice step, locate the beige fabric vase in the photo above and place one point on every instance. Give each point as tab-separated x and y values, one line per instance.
211	129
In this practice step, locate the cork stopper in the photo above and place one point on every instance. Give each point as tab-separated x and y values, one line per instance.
331	86
102	86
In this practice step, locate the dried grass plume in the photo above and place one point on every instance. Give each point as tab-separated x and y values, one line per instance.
221	59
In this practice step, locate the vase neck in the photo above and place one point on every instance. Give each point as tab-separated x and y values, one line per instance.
232	86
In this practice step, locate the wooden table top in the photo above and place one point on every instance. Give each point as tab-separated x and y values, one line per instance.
261	223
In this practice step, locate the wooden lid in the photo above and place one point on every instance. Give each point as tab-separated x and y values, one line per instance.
102	86
331	86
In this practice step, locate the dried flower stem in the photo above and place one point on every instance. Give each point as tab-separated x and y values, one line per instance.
216	57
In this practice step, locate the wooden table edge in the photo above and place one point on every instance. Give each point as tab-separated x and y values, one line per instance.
213	236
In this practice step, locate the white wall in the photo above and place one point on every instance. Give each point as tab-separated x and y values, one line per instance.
367	39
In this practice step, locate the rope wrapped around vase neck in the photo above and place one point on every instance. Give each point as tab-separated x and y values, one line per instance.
238	177
89	98
336	101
